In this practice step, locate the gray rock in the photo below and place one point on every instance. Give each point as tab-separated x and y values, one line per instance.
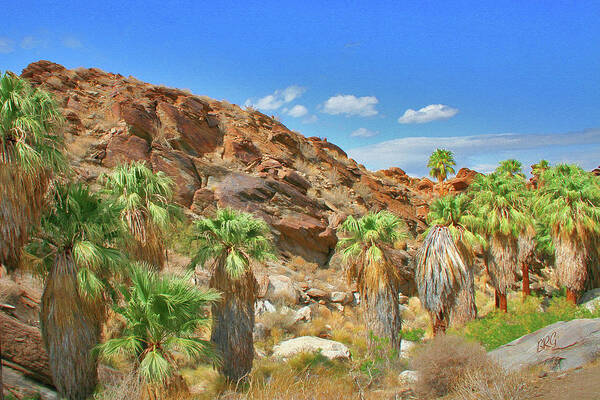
561	346
408	376
263	306
309	344
303	314
25	386
591	299
406	347
282	287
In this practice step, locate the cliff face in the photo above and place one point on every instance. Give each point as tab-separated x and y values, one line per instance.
221	155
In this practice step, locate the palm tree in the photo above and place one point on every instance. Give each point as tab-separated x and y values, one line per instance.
568	203
163	317
450	266
440	163
30	152
227	244
365	250
511	167
73	250
499	204
145	201
537	170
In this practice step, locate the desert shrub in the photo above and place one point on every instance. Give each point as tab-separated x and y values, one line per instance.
492	383
9	291
363	191
306	168
414	335
339	196
129	388
498	328
442	362
306	361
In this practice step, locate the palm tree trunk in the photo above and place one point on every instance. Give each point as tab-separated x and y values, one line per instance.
439	324
233	323
502	302
465	309
1	386
572	296
496	299
525	273
384	320
71	329
571	264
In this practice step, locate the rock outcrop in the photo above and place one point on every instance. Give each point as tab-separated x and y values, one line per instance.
221	155
560	346
311	344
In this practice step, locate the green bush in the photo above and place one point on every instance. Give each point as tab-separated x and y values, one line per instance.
413	335
498	328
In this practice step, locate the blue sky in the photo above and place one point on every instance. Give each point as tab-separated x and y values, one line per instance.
387	81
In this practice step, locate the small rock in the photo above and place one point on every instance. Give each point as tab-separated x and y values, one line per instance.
303	314
317	293
405	348
329	348
408	376
340	297
263	306
260	331
281	287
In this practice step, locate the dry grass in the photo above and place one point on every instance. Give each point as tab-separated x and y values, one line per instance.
443	363
306	168
339	196
9	291
492	383
363	191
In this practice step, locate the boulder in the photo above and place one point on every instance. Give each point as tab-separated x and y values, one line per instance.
282	288
317	294
303	314
406	348
263	307
408	376
560	346
591	299
310	344
123	147
341	297
15	382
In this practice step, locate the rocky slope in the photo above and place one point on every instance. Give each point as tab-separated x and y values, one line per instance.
221	155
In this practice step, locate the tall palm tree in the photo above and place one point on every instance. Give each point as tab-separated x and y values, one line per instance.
30	152
163	317
440	163
228	244
146	209
365	249
511	167
499	203
452	266
569	203
73	251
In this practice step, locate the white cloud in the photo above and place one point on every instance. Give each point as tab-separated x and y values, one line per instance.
427	114
6	46
72	42
351	105
363	132
311	119
32	42
297	111
483	152
276	99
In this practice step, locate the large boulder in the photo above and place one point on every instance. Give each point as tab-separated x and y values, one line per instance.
591	299
281	288
560	346
310	344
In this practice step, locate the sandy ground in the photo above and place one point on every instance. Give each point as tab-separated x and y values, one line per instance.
578	384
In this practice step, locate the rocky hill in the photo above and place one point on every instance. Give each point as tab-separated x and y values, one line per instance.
222	155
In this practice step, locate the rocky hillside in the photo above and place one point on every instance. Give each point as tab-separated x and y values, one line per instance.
222	155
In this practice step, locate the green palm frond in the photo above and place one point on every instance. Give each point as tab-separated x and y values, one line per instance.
511	167
235	236
441	163
163	314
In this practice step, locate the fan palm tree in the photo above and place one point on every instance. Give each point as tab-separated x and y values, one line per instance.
569	203
30	152
144	198
365	250
73	251
499	203
453	293
511	167
228	244
163	316
440	163
537	170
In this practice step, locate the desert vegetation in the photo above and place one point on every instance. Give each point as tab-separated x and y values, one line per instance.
101	254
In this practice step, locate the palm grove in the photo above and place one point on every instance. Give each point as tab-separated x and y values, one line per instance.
97	248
